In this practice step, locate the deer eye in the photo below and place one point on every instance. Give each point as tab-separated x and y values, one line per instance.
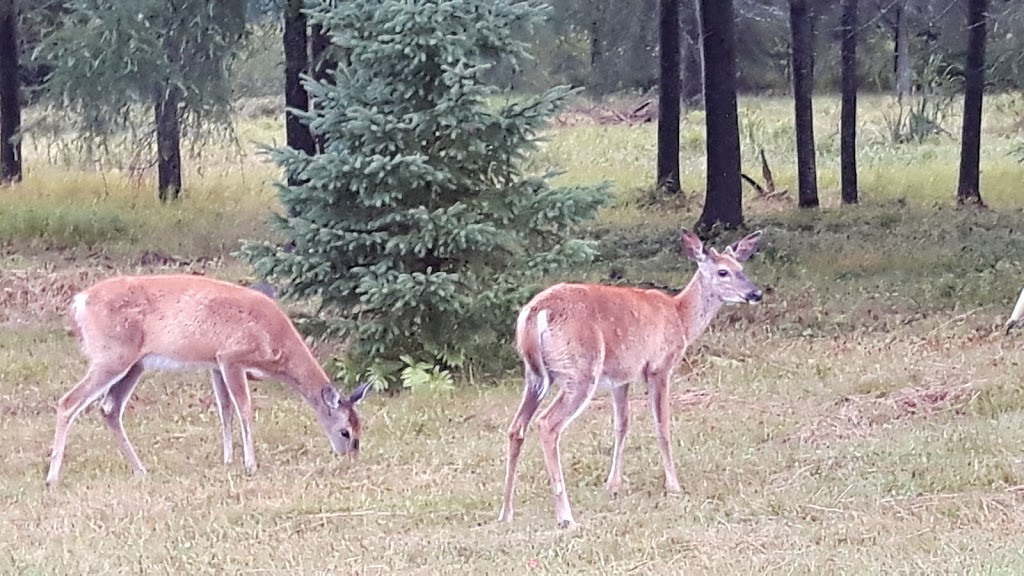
346	434
722	272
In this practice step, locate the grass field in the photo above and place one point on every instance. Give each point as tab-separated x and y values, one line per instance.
868	417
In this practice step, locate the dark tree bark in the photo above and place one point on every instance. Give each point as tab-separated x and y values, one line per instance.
167	112
596	51
320	61
668	97
10	95
296	62
802	28
693	73
168	144
968	188
904	72
723	204
322	65
848	110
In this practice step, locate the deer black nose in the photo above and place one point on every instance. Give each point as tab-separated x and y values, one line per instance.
754	296
355	444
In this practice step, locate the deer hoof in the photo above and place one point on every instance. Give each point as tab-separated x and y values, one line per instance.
568	524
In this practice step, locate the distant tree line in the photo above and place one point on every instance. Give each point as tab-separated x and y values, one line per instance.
612	45
720	53
97	64
406	208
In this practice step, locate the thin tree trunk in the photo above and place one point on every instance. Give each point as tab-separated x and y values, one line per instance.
320	61
968	188
597	81
848	111
904	71
802	28
296	62
693	73
723	204
668	98
595	46
10	101
647	40
168	144
322	66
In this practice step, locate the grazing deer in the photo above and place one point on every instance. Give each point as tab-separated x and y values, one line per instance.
589	336
128	324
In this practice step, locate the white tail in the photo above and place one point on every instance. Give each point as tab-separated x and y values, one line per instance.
1018	312
589	336
128	324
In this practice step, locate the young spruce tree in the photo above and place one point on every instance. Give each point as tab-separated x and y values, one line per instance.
419	227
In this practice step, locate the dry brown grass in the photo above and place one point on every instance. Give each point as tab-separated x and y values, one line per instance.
40	290
899	455
867	418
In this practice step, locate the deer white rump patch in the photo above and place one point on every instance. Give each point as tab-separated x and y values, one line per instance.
542	332
78	305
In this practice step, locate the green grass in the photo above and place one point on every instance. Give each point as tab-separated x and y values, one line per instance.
866	418
229	192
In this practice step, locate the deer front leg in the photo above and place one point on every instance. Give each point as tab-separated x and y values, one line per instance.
224	407
620	424
238	388
661	408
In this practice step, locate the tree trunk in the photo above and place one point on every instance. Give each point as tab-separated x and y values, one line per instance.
296	61
320	61
693	74
595	46
802	28
904	70
322	65
596	81
968	188
668	98
10	101
168	144
848	111
723	204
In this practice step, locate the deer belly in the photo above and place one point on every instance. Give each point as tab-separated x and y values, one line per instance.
604	383
167	363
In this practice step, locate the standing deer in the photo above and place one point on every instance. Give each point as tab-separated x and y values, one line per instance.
589	336
128	324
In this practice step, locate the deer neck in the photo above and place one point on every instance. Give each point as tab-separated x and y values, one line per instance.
697	306
306	377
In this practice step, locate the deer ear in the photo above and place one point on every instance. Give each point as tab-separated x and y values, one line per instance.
693	248
745	247
359	393
330	396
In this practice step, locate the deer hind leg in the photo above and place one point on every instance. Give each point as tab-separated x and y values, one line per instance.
113	414
661	408
572	399
96	382
224	408
620	423
533	392
237	385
